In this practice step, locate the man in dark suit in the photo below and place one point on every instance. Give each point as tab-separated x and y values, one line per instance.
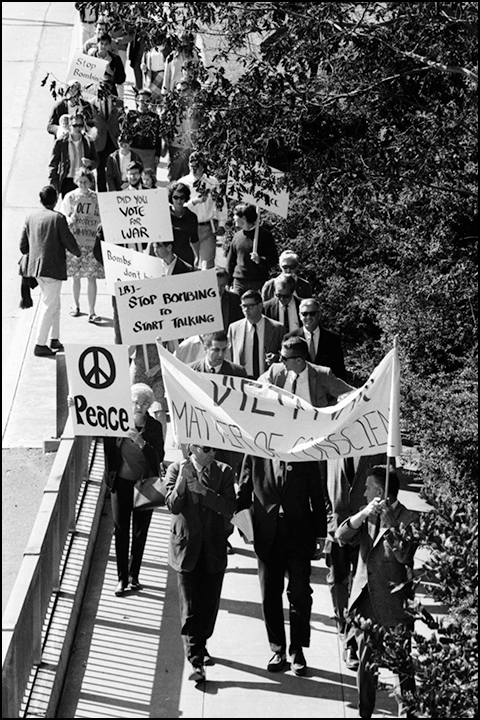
324	346
284	306
289	264
385	562
72	102
255	341
108	114
200	495
45	237
118	162
173	265
229	301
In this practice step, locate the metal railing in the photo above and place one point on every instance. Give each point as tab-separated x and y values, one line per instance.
39	573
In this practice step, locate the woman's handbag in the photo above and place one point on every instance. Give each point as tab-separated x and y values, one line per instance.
149	493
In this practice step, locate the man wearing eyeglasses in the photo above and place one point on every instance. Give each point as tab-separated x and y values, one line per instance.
324	346
289	265
284	306
289	513
255	341
200	495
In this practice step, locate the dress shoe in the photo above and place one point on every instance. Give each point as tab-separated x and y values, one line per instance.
134	584
56	345
298	662
197	674
43	351
120	589
351	658
277	662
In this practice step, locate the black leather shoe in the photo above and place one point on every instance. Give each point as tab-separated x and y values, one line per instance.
56	345
277	662
43	351
298	662
121	589
134	584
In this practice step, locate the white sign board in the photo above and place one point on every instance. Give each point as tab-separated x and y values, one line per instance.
86	218
89	71
242	186
172	307
124	264
99	382
136	216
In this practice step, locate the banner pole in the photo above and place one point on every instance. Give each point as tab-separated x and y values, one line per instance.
257	229
392	390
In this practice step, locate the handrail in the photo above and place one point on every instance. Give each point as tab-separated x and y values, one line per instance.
39	572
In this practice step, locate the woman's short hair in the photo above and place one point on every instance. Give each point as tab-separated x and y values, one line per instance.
249	212
144	390
180	187
84	172
151	174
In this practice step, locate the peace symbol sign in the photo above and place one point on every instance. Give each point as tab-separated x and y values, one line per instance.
97	368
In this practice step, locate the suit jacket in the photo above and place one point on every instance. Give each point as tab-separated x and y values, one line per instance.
107	126
329	352
382	565
296	488
303	289
322	383
114	173
231	309
271	308
45	237
181	267
274	332
153	451
200	524
60	161
227	368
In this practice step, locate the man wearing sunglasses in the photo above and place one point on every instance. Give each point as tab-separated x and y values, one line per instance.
289	513
289	265
284	306
200	495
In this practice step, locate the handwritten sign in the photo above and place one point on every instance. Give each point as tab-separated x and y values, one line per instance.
89	71
99	382
130	216
170	307
248	416
245	186
124	264
86	217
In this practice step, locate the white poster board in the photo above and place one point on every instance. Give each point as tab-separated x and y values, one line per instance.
124	264
172	307
99	382
276	201
86	217
136	216
89	71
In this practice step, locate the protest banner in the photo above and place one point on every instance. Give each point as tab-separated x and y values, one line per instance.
99	382
244	186
130	216
124	264
89	71
169	307
86	217
244	415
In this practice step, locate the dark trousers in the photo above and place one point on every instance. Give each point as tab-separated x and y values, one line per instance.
109	148
341	563
199	595
241	285
128	560
284	559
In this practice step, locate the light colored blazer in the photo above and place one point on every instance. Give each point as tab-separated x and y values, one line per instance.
237	332
322	383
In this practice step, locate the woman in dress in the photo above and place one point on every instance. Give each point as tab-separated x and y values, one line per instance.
184	223
80	207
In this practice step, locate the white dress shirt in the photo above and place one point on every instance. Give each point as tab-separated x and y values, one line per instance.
208	209
316	340
293	321
302	389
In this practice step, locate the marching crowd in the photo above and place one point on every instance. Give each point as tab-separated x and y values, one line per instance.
271	333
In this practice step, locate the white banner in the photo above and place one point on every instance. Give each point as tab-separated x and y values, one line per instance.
234	413
244	190
89	71
170	307
124	264
136	216
99	382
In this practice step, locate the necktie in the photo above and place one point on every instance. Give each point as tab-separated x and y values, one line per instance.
311	348
106	109
375	527
256	359
286	321
212	370
294	385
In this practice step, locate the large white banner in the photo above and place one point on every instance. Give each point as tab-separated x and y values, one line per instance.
234	413
124	264
170	307
89	71
242	187
136	216
99	382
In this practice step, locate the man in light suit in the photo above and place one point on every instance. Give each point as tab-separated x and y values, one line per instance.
385	562
200	495
255	341
284	306
324	346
